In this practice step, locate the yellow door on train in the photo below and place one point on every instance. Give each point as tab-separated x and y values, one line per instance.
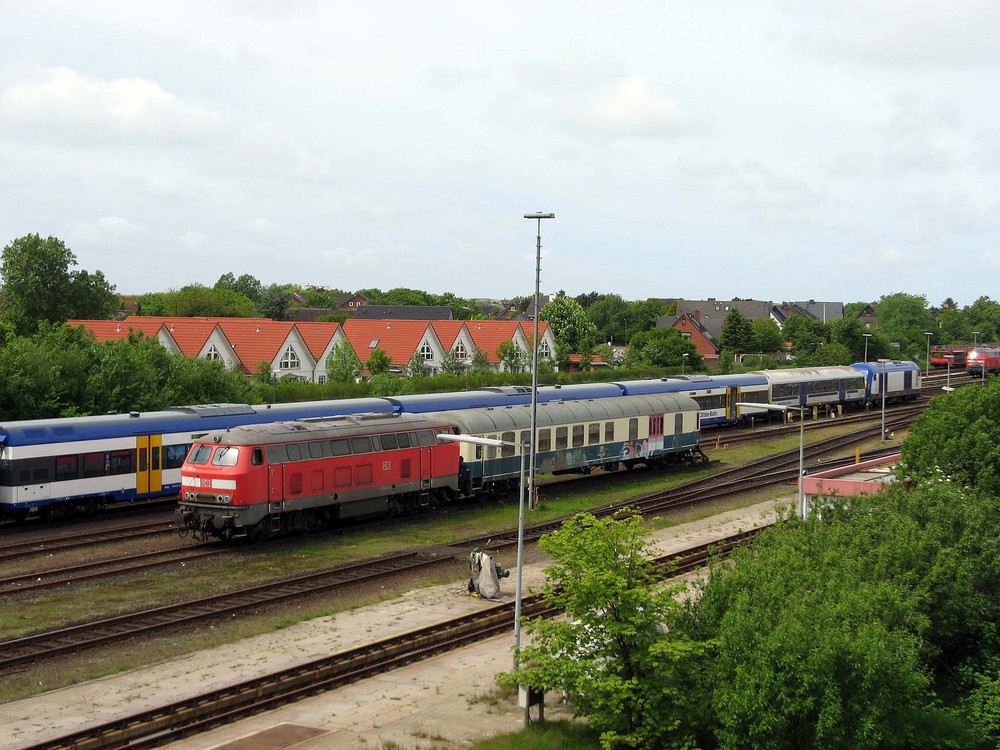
148	468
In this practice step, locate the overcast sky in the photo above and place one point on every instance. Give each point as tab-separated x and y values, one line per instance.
783	150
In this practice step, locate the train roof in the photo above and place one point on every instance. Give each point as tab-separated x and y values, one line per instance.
478	421
320	428
808	374
680	383
176	419
894	365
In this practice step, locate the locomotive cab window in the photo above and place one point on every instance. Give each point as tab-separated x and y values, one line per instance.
200	454
226	456
257	456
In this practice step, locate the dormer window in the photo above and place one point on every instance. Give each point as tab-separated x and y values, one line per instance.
426	351
460	351
543	349
213	353
289	360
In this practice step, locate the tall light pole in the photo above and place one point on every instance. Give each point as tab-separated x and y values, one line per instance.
928	334
883	386
867	336
684	359
537	216
493	442
975	339
802	442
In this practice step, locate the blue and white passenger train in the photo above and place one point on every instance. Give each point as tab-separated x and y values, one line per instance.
55	467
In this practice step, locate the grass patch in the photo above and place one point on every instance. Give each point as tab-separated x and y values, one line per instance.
546	735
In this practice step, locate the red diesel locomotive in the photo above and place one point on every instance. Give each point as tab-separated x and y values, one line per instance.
312	472
983	361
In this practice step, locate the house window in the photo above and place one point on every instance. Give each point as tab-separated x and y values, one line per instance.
321	379
289	360
460	351
373	344
543	349
426	351
213	353
685	335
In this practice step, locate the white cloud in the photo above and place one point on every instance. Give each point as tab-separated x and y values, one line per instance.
634	109
193	240
60	105
262	227
110	230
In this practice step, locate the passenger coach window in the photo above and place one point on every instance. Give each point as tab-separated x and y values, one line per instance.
507	450
93	464
594	434
545	440
577	435
491	450
67	467
173	456
562	437
633	429
199	455
120	462
609	432
678	424
226	456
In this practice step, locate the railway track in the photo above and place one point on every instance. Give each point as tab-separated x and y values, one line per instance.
17	652
199	713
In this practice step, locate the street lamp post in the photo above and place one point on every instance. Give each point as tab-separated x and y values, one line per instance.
867	336
802	442
537	216
493	442
883	387
928	334
975	339
684	359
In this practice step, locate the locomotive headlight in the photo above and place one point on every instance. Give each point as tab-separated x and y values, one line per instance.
223	498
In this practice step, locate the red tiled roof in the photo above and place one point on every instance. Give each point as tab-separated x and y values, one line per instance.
114	330
189	333
256	341
447	331
317	336
399	339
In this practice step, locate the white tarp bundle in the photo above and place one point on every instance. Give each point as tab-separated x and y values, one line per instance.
484	576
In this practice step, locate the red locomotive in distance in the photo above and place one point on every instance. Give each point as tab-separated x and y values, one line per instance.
983	361
949	356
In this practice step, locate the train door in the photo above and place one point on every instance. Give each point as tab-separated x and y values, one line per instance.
148	467
275	483
425	466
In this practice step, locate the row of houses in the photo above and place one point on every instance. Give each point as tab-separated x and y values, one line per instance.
701	321
297	349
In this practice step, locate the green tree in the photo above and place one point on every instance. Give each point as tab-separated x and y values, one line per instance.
609	314
247	285
451	364
660	347
378	362
902	319
569	323
40	285
480	362
342	364
736	334
511	357
642	315
417	367
274	302
767	335
610	654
